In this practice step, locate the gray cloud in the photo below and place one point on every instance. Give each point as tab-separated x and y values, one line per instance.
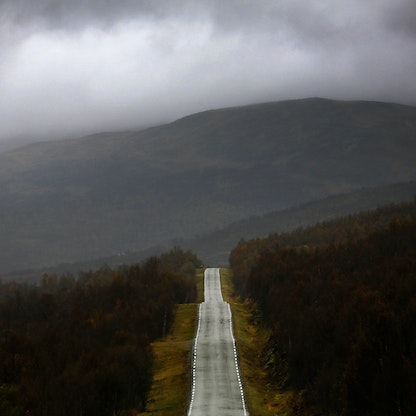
304	18
75	14
401	18
72	67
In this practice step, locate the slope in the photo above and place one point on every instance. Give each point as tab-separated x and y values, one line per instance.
215	247
112	192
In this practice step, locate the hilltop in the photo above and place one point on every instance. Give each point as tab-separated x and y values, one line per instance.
108	193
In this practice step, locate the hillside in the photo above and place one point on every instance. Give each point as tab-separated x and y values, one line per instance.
215	247
339	301
83	346
108	193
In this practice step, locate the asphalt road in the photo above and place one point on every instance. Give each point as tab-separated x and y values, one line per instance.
216	386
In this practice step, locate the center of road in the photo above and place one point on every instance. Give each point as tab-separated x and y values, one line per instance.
216	388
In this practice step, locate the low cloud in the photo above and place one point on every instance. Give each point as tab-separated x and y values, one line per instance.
69	68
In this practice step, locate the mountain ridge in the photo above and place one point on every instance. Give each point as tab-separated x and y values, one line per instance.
112	192
214	247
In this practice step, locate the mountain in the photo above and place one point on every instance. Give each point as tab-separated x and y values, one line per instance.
215	247
104	194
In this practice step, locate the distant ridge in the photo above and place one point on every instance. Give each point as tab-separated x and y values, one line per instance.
215	247
110	193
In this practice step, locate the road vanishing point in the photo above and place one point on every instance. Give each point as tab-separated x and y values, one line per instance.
216	388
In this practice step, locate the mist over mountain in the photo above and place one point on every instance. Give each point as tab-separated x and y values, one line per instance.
215	247
70	200
71	69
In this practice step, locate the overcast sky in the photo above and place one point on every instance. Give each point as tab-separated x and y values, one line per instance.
81	66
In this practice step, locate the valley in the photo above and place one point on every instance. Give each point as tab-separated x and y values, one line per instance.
111	194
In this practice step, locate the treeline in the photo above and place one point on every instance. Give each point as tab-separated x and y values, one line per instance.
342	312
81	346
346	228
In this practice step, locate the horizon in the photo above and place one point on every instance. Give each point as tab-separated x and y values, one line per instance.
72	71
18	142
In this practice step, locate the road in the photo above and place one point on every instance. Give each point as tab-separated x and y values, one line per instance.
216	385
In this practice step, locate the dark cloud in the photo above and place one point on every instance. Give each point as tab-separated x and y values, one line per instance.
305	18
74	14
68	67
401	17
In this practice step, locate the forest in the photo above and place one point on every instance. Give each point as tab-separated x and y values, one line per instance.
81	346
340	301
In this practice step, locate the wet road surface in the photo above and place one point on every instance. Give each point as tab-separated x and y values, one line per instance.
216	385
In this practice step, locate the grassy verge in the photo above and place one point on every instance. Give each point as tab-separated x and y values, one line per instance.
170	387
263	398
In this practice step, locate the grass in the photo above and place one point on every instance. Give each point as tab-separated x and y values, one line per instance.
264	399
170	387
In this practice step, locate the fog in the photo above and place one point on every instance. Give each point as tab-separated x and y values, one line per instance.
72	68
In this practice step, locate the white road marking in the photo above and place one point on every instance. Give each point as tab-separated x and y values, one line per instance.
217	388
